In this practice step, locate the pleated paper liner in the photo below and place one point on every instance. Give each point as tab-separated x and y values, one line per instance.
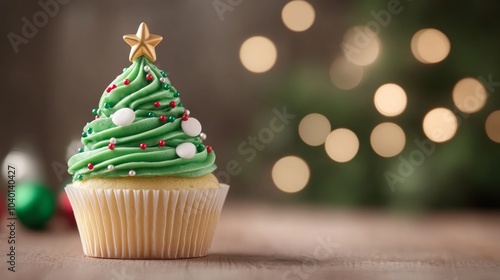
146	224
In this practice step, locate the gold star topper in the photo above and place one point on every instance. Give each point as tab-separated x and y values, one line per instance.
142	43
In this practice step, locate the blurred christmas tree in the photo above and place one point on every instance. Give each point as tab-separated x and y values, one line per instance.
460	172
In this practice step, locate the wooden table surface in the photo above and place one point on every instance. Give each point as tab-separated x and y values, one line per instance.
277	242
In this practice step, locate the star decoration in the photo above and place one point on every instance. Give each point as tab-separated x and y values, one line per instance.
142	43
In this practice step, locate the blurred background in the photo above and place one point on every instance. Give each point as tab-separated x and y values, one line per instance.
390	104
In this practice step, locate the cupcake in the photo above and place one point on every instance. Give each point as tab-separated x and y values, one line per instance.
143	186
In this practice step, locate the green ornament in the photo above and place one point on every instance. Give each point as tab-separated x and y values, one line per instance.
80	150
84	134
107	105
151	115
167	86
95	111
35	204
171	118
177	94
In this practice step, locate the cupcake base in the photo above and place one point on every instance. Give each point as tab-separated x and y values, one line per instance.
146	224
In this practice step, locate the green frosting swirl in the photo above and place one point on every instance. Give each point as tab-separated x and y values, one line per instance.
139	95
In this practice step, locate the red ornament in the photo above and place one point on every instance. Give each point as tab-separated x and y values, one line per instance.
163	118
185	117
149	77
90	166
142	146
161	143
209	149
65	208
157	104
173	104
113	86
126	82
111	146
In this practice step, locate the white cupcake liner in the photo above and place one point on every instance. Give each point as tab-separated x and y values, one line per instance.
146	224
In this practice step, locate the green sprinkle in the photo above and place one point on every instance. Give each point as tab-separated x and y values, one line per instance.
177	94
163	73
90	130
124	69
180	104
107	105
80	150
171	118
84	134
167	86
95	111
200	147
151	115
79	177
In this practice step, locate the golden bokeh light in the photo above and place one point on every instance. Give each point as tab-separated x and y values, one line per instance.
298	15
314	128
290	174
361	46
388	139
493	126
344	74
258	54
390	100
469	95
440	125
430	45
342	145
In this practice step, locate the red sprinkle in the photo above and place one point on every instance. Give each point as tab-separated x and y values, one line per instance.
185	117
157	104
113	86
111	146
163	118
97	116
108	90
90	166
209	148
161	143
126	82
173	104
142	146
149	77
